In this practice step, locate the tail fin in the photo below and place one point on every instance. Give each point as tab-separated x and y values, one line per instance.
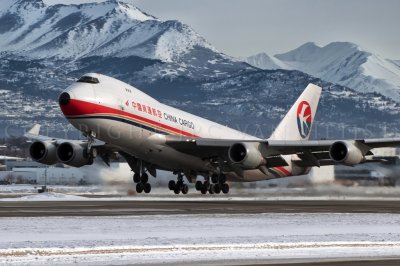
297	123
33	132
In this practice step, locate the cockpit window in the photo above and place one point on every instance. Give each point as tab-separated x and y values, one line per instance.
88	79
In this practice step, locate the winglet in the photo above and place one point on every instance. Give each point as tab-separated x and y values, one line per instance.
34	131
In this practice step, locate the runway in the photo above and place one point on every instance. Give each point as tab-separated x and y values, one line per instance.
61	229
182	206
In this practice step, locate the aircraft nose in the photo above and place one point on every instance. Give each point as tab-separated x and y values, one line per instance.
64	99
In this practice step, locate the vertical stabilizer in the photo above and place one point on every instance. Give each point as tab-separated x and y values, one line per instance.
297	123
33	132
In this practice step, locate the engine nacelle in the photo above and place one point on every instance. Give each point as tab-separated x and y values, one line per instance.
346	153
43	152
73	154
246	154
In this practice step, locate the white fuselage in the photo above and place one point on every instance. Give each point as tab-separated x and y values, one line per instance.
136	123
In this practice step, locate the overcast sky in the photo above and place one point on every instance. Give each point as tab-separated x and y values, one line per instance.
247	27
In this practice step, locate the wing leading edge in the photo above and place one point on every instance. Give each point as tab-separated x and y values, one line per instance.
309	152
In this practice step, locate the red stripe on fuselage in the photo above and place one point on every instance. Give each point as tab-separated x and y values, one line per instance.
79	108
282	169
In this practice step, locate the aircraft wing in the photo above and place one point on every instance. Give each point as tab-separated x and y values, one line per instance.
309	152
33	134
48	150
45	146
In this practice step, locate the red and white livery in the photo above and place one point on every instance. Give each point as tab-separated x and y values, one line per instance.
119	119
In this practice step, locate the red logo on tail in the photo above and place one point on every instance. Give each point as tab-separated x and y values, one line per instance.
304	118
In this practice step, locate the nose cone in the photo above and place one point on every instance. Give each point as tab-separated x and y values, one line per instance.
64	99
77	99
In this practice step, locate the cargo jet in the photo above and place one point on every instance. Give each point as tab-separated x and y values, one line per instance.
120	120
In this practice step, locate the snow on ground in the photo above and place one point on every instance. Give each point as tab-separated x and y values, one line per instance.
47	196
192	238
20	189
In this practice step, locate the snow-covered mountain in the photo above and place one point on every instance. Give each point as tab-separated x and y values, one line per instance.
32	29
340	62
264	61
93	35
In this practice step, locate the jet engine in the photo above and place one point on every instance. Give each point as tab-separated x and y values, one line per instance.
43	152
346	153
73	154
246	154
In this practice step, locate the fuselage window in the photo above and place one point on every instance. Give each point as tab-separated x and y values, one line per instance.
87	79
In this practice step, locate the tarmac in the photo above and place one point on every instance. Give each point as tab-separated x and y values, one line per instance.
156	207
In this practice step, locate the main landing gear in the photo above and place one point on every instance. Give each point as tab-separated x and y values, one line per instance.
142	182
217	186
214	184
140	169
179	185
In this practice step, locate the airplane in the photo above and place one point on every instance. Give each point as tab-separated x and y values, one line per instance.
118	119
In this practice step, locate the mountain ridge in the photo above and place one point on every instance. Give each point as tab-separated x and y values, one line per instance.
343	63
56	31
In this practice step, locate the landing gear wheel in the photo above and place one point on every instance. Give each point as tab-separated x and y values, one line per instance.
199	185
144	178
217	188
171	185
136	178
147	188
139	187
205	187
206	184
211	189
225	188
185	189
214	178
179	184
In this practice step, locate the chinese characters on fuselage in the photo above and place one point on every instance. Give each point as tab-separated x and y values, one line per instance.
157	113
